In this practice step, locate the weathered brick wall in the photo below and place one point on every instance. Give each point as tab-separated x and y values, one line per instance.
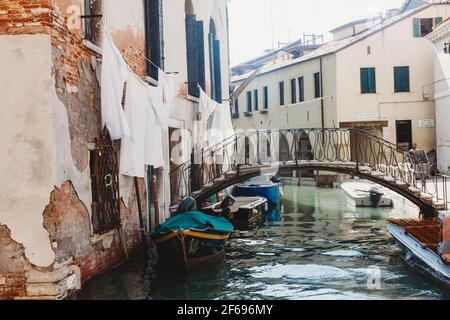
66	218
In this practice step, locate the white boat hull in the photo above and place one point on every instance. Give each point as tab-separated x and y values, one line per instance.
423	260
359	199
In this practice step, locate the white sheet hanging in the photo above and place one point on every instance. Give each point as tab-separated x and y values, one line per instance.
137	109
157	122
207	106
114	74
221	126
167	84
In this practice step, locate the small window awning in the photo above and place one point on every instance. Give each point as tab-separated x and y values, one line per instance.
364	124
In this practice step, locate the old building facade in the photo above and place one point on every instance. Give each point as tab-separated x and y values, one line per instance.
376	75
66	214
441	40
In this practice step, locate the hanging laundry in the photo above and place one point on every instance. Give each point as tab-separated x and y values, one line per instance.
157	123
114	74
221	126
207	106
138	111
167	83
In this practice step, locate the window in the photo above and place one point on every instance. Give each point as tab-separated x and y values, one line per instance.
282	93
92	14
294	91
195	52
368	82
154	37
424	26
317	89
401	79
236	106
249	102
256	99
87	24
266	98
214	63
301	89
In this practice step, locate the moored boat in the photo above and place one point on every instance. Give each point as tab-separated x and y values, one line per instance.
243	212
365	195
261	186
191	240
425	246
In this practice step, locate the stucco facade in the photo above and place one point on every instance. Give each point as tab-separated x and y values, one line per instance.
383	46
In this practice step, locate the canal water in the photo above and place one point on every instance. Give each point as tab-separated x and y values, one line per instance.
313	247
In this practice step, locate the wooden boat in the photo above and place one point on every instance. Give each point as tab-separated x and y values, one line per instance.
365	195
425	247
191	240
261	186
244	213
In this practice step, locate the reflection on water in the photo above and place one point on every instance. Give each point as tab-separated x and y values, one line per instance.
313	247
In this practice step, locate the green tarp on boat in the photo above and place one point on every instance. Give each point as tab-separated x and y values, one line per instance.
195	220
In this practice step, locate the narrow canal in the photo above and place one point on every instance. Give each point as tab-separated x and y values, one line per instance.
314	247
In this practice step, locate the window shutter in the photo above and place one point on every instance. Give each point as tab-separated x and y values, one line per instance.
371	80
437	20
416	23
266	98
192	56
217	72
200	54
301	89
249	102
401	78
364	81
293	91
211	65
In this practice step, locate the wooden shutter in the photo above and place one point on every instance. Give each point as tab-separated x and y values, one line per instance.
200	54
371	80
256	99
217	72
416	28
266	98
364	80
192	56
249	101
317	85
437	20
282	93
401	79
301	89
212	65
154	36
293	91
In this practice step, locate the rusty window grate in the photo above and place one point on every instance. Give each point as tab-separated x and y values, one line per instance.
105	185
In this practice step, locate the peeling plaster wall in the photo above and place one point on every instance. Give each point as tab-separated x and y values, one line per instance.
28	165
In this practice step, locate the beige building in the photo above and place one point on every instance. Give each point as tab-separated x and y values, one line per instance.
66	213
376	75
441	39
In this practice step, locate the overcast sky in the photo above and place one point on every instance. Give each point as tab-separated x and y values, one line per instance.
253	22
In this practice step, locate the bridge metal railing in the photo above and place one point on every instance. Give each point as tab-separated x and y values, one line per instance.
281	147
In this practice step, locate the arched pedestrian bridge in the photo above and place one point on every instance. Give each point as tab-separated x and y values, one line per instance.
348	151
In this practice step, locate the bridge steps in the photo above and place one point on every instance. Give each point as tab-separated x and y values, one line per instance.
377	174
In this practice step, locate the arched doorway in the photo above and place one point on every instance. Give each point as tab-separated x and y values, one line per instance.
285	152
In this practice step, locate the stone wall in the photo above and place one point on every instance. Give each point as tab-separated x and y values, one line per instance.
80	255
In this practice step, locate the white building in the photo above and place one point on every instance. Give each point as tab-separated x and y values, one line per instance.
441	39
376	75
